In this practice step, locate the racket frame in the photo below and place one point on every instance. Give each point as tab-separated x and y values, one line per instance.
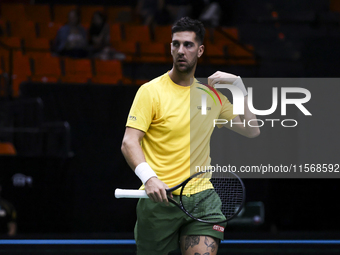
180	204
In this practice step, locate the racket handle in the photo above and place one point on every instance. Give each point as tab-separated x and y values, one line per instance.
130	193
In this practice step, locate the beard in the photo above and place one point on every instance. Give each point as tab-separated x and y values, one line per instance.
187	68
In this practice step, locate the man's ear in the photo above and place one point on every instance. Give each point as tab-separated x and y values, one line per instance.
200	50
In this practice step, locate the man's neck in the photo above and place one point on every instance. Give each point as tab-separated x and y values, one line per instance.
182	79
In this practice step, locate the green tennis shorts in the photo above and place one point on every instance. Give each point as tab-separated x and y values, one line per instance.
159	227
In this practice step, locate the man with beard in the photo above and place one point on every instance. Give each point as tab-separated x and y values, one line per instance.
165	138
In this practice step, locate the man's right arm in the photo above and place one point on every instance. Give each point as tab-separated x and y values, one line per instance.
131	148
133	153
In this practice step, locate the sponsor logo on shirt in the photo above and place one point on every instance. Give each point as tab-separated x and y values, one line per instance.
200	107
218	228
133	118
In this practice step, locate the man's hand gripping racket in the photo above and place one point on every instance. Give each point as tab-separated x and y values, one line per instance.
226	193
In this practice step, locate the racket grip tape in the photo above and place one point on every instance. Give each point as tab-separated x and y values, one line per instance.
130	193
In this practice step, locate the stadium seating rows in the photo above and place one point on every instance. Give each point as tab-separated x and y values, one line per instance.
58	13
29	30
44	67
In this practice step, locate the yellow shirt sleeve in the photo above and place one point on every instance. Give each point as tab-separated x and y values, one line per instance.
142	110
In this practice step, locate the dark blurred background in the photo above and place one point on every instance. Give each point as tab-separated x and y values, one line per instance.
62	119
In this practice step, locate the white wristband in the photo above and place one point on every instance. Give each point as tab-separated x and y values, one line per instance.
239	83
144	172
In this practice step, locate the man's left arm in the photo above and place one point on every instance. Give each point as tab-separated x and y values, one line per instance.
239	124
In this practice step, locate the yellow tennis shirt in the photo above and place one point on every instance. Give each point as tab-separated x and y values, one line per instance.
177	135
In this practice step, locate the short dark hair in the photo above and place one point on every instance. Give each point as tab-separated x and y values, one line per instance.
192	25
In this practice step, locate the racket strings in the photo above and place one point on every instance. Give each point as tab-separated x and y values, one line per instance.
230	191
195	204
216	199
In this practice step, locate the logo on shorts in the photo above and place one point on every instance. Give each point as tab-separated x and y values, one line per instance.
218	228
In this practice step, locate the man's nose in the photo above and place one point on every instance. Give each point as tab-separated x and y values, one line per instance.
181	49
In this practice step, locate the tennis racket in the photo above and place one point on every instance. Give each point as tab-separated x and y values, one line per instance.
216	197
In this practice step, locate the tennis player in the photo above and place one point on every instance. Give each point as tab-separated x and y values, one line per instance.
166	136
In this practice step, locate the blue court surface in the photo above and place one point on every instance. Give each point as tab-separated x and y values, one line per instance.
127	246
